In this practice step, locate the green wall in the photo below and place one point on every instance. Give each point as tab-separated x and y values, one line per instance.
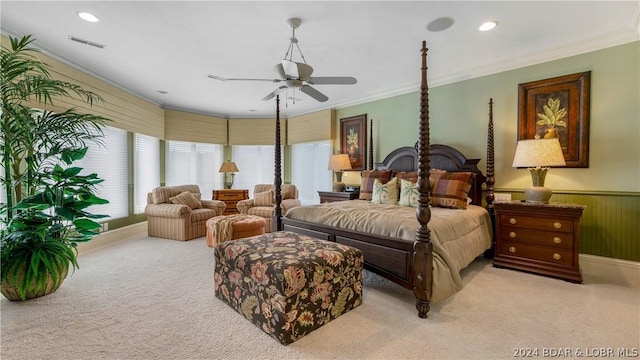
459	114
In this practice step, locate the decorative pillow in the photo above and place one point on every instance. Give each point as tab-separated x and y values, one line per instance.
368	177
264	198
408	193
186	198
451	189
287	191
385	193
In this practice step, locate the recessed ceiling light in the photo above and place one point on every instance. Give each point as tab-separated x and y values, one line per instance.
440	24
488	26
88	16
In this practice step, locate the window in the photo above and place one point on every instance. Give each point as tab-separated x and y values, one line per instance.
309	169
110	162
146	169
194	163
255	164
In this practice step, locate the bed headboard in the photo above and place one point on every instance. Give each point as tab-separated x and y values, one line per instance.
441	157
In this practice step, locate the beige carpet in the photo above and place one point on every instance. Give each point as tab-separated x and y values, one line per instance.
149	298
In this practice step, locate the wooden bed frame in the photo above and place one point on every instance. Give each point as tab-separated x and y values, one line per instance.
407	264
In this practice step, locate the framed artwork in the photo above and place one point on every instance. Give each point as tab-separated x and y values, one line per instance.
558	107
353	140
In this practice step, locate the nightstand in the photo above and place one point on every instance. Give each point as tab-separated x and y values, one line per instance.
231	198
331	196
539	238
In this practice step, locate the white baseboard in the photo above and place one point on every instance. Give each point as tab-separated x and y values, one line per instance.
616	271
109	237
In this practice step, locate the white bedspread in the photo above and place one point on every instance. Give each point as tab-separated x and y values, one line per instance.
458	236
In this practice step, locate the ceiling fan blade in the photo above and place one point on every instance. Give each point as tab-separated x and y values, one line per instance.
241	79
296	70
314	93
279	70
274	93
332	80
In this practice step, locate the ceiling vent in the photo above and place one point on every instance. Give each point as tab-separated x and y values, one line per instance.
86	42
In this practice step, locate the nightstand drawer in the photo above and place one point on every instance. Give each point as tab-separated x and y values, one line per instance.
541	253
537	237
533	222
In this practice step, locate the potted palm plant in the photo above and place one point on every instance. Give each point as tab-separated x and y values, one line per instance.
45	214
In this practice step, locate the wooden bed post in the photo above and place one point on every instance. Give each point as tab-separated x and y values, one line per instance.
490	181
277	181
422	247
370	163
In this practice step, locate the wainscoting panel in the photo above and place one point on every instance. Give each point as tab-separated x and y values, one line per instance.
610	225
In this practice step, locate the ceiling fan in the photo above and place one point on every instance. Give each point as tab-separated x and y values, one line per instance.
296	75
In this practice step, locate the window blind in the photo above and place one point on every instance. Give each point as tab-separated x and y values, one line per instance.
110	162
194	163
309	169
255	164
146	169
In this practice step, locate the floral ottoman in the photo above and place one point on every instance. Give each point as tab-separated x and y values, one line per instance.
288	284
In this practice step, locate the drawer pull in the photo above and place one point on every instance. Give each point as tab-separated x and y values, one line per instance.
512	249
557	225
557	256
557	240
512	234
512	221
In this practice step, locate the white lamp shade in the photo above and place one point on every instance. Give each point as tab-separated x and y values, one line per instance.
538	153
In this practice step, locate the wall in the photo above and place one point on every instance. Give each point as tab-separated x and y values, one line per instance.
458	114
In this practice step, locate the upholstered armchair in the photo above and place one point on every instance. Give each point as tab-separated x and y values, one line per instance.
263	202
177	212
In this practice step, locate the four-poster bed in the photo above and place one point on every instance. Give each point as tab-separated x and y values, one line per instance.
406	255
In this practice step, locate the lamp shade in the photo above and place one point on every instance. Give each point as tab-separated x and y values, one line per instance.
538	153
228	166
339	162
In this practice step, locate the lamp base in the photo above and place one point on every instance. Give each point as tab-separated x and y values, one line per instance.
538	194
338	186
228	184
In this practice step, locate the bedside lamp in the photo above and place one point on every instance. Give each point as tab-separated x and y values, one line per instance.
538	155
338	163
228	167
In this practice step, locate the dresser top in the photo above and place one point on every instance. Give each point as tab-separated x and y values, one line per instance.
549	205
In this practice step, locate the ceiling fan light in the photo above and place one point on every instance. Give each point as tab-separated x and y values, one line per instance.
489	25
88	16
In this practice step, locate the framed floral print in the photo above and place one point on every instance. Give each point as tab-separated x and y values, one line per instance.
353	140
558	107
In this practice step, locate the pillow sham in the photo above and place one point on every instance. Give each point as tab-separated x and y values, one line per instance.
264	198
368	178
408	193
451	189
186	198
385	193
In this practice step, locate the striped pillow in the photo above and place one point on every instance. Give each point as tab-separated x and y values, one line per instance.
368	178
451	189
264	198
186	198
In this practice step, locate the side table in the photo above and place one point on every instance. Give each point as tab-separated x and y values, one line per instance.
330	196
539	238
231	198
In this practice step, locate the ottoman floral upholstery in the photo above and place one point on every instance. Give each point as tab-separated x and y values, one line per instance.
288	284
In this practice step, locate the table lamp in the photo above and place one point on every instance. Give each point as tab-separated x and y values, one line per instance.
538	155
228	167
338	163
